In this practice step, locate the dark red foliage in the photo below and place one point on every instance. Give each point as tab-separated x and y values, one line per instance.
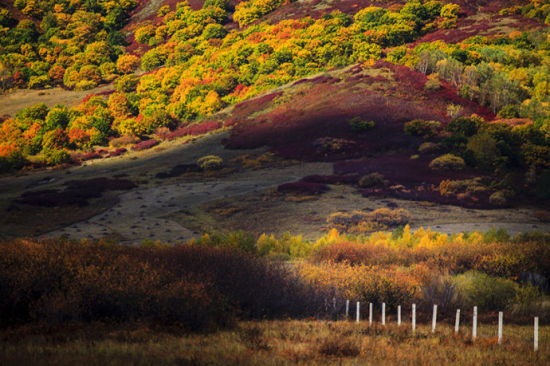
76	192
244	109
194	130
90	156
144	145
301	187
117	152
322	79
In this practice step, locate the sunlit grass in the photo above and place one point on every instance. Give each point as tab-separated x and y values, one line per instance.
281	342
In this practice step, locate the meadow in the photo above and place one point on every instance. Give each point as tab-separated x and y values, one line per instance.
278	342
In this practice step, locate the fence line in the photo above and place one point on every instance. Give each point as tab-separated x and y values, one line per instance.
434	320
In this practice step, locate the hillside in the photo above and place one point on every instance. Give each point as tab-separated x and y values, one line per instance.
231	182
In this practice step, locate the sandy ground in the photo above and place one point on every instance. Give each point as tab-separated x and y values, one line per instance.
143	214
22	98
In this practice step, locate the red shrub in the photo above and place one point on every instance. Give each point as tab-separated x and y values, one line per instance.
194	130
90	156
144	145
118	152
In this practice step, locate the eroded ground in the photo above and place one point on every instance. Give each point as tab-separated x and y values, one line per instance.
177	208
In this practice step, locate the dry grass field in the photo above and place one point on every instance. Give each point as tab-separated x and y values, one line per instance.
306	342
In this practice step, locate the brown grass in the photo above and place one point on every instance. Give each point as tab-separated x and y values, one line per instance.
274	343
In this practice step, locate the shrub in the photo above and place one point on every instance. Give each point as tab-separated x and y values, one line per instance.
433	83
422	128
371	180
465	126
442	291
144	145
508	111
127	83
473	186
214	31
55	139
429	147
487	292
447	162
484	149
127	64
358	125
37	82
57	157
153	59
360	221
194	287
210	162
499	198
123	141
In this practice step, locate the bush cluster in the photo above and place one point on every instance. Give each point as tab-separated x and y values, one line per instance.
360	221
197	287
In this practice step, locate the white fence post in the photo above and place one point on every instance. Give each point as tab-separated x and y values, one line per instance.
347	309
434	319
383	313
398	314
457	320
370	313
536	335
413	322
474	324
500	316
358	315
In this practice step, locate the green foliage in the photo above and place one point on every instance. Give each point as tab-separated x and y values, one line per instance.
447	162
214	31
484	149
210	162
422	128
127	83
153	59
358	125
487	292
56	157
372	180
464	126
247	12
